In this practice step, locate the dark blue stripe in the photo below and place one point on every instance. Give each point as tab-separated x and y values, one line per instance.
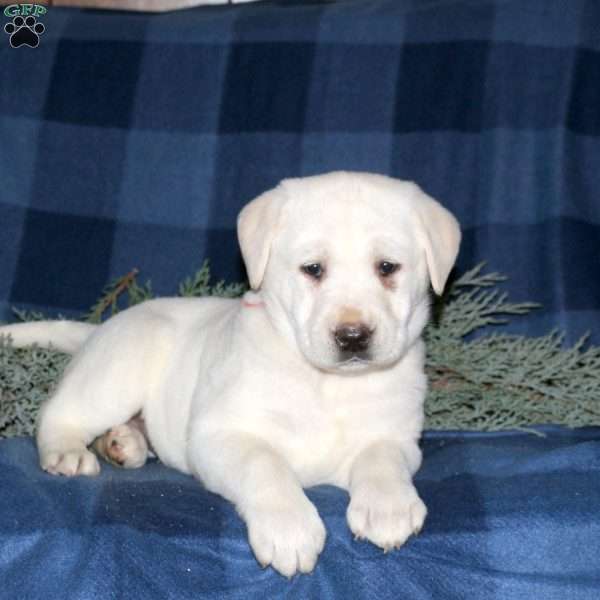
441	86
556	263
266	87
64	261
11	218
584	108
309	87
94	82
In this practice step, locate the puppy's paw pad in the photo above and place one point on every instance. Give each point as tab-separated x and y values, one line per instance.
287	537
386	515
71	463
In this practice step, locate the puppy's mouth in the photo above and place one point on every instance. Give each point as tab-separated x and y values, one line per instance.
354	360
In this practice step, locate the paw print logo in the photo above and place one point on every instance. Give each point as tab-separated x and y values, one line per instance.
24	31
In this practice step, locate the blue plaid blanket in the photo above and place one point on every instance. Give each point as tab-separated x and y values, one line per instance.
132	140
511	517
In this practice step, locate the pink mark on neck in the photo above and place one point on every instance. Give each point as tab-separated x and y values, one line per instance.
252	300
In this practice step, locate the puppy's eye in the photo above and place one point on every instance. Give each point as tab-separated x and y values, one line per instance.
314	270
385	268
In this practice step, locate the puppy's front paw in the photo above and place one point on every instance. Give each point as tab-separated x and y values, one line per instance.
287	535
386	513
76	461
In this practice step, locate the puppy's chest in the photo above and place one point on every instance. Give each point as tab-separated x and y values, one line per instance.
330	427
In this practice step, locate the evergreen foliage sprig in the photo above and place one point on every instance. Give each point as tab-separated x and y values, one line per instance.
504	381
27	376
490	382
126	291
110	297
199	285
468	305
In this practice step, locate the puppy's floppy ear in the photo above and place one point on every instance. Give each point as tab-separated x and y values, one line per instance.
440	235
257	224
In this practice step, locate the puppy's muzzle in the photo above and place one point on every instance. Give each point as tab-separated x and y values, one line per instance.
352	338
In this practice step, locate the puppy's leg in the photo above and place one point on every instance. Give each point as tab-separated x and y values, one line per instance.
125	445
284	528
105	384
384	505
82	408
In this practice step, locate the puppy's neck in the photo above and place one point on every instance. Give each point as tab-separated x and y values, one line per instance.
265	306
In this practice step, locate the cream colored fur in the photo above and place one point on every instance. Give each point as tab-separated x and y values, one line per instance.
253	396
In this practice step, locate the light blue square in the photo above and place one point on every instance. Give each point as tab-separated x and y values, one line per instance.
168	178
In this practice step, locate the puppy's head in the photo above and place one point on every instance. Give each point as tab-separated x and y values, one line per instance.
344	262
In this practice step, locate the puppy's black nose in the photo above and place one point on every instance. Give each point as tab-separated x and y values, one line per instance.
352	337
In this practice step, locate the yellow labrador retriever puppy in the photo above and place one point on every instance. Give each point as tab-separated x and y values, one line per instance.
316	377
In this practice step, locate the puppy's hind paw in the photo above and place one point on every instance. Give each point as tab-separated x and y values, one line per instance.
124	446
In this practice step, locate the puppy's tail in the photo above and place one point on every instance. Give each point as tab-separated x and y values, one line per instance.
66	336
